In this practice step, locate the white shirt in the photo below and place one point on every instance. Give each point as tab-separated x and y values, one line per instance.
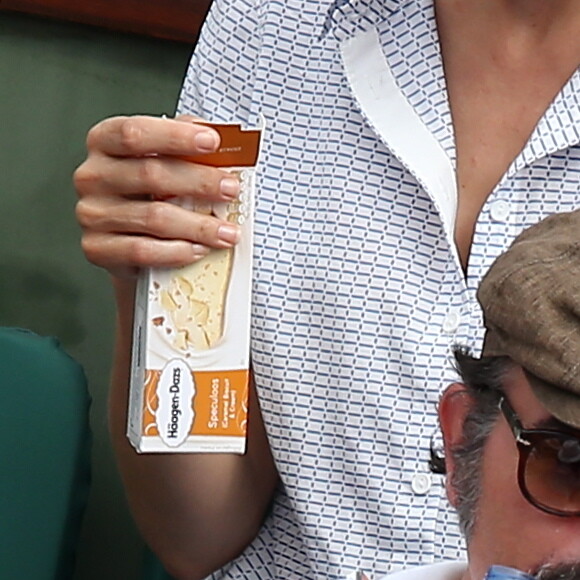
358	290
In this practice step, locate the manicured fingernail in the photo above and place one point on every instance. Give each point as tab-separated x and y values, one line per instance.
206	141
228	234
199	251
230	187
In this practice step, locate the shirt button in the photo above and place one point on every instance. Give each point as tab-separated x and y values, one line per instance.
451	322
499	210
421	483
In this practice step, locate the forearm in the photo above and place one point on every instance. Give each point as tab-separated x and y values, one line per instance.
197	511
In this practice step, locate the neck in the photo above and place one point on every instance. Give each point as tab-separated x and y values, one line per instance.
519	30
538	21
537	13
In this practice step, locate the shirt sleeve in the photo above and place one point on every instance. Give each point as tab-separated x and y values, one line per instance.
219	81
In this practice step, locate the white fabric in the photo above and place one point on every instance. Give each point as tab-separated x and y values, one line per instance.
440	571
358	293
399	125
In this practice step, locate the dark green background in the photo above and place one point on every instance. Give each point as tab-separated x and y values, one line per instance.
56	80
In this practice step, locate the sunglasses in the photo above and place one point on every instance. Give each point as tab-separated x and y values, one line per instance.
549	466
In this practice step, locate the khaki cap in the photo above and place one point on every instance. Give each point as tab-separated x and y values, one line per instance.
531	305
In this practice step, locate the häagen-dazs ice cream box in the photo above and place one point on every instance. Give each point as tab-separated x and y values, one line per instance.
190	360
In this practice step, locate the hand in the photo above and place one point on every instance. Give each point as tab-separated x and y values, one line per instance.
132	169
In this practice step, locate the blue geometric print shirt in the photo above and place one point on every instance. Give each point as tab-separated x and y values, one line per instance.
358	289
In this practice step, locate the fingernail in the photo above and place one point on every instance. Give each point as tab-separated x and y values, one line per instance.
206	141
199	251
229	234
230	187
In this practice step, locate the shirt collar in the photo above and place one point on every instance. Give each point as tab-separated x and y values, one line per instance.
383	54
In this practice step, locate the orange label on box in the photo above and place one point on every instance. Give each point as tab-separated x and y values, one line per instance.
215	404
238	148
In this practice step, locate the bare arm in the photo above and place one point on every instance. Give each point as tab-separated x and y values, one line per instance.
196	511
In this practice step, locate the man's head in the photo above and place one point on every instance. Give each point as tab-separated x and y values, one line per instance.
512	427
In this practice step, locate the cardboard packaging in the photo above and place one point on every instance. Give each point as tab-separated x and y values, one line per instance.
191	337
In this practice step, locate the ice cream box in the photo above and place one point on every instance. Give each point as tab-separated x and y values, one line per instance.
191	336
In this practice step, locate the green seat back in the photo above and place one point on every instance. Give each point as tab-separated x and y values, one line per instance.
44	449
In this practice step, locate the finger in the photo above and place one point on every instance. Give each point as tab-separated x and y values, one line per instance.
123	255
155	219
158	176
141	135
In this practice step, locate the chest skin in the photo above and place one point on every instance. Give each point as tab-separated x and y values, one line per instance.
504	64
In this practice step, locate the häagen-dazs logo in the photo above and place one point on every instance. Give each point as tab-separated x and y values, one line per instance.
175	390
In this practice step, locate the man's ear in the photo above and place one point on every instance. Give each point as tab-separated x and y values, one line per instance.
454	406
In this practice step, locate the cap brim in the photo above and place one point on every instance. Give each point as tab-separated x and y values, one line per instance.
492	345
562	404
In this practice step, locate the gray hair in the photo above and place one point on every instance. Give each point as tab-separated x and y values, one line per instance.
483	378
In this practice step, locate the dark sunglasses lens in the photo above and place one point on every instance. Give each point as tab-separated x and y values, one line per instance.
552	473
